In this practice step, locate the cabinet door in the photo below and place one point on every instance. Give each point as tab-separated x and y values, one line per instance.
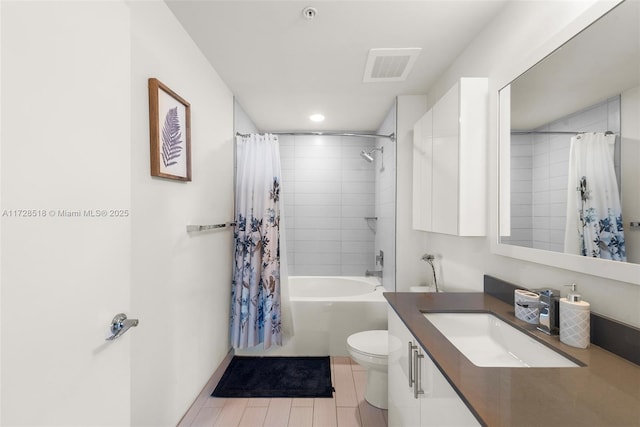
472	169
422	164
404	409
449	162
445	163
440	405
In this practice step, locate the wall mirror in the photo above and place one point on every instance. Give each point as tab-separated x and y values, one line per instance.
562	202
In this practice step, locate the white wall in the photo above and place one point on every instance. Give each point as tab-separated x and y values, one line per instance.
410	244
510	39
241	121
1	277
180	282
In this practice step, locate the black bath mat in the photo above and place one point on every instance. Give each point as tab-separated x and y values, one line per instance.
276	377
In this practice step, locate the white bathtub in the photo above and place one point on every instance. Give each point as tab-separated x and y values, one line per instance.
334	288
326	310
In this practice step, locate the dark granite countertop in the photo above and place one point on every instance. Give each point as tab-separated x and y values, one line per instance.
604	392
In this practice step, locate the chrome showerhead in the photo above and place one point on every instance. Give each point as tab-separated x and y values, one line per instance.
367	156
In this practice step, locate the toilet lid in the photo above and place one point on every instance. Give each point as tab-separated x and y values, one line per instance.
374	343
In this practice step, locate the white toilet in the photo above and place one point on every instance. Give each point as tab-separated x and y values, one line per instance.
370	349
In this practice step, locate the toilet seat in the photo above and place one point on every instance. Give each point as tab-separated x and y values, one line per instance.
370	343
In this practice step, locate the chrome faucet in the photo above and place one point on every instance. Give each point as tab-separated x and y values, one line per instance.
429	258
548	310
120	324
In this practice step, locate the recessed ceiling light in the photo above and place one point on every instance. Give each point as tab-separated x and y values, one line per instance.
316	117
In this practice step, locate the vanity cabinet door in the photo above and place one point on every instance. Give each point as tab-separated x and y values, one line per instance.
440	405
437	403
404	409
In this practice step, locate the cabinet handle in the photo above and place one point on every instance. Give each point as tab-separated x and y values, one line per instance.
411	347
417	387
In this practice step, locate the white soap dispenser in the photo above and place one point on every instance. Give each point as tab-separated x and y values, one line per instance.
575	320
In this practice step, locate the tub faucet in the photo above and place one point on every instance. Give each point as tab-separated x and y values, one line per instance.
375	273
548	310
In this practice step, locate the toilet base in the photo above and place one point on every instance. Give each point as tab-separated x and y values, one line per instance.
376	391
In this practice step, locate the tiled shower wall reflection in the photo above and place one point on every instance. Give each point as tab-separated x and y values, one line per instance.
328	190
539	174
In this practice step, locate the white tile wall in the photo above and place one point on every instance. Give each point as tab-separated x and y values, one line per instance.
357	235
521	191
539	172
328	190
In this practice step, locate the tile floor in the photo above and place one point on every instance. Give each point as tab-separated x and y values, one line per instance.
347	407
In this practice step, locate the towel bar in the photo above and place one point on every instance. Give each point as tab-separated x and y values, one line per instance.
191	228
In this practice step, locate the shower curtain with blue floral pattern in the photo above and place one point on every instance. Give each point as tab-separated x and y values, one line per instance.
594	225
255	293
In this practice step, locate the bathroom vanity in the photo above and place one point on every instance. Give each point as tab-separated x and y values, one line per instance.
419	395
602	390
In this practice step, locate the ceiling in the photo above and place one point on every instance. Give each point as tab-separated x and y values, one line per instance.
282	67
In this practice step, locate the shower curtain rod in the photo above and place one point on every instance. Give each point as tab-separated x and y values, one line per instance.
391	136
550	132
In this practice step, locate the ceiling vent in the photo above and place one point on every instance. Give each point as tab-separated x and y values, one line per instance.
389	65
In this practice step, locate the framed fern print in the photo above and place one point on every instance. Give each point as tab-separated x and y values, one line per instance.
170	131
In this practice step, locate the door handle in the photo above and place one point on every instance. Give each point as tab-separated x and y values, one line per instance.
417	384
410	348
120	324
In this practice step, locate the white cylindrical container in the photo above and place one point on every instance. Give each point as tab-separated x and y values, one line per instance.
575	322
524	305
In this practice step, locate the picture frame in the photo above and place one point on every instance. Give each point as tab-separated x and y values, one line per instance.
170	133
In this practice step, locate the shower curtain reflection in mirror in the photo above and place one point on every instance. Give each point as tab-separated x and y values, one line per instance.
594	214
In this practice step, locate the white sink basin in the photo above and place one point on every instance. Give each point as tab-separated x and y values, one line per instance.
488	341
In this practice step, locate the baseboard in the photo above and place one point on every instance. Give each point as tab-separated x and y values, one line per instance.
206	391
215	378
